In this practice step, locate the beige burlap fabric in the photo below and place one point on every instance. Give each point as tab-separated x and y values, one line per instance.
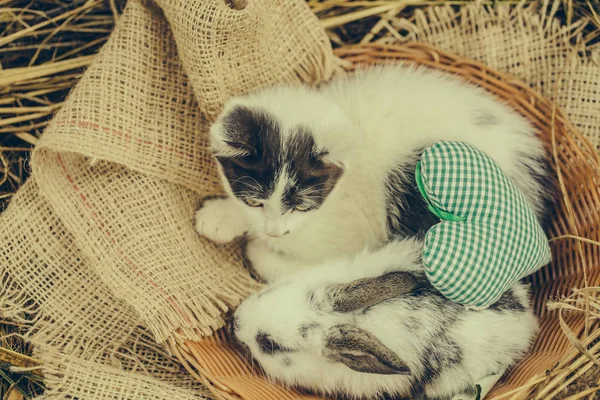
100	241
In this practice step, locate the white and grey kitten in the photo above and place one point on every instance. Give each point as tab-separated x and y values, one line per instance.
317	174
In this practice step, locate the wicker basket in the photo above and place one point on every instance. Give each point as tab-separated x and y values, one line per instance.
575	262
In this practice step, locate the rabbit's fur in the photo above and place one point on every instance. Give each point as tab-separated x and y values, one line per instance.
373	324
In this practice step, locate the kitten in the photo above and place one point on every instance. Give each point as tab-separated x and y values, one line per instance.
315	174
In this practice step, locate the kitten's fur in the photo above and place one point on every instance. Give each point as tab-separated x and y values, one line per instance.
345	155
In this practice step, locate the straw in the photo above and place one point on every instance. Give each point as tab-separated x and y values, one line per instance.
44	47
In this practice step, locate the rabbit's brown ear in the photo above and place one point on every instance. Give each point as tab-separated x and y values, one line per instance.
361	351
363	293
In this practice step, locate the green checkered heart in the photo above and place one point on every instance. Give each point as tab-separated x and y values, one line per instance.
489	237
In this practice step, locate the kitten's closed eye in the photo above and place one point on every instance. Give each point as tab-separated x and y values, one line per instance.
253	202
302	208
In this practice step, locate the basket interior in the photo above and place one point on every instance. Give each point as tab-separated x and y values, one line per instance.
575	263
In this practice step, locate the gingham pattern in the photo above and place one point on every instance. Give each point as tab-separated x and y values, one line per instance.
490	237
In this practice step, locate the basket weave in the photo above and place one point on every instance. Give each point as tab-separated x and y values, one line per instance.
575	263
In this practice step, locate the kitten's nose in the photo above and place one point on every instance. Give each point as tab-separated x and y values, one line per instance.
274	230
274	233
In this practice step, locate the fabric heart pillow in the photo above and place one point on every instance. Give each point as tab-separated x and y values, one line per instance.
488	237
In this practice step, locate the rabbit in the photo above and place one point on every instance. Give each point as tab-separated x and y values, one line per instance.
372	325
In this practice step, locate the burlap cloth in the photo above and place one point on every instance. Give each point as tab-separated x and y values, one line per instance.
99	255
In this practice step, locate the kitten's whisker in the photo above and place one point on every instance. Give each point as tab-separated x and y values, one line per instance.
319	186
239	180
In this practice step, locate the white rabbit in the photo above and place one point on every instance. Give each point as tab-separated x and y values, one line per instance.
374	325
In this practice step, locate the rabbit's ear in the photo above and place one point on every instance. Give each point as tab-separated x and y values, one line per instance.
360	351
363	293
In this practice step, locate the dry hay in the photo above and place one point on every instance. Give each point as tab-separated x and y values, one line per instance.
45	45
13	353
359	21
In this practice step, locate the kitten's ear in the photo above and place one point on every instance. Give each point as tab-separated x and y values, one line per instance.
361	351
341	148
330	160
237	132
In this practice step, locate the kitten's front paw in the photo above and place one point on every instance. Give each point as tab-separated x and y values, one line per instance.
219	221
